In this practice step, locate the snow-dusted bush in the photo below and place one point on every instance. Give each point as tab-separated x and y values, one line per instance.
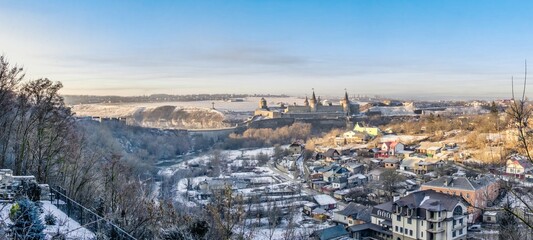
26	222
50	219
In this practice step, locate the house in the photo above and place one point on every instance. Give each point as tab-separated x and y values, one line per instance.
365	152
518	166
391	163
432	151
428	165
355	137
352	137
295	148
354	167
375	174
429	215
332	155
478	192
371	131
357	180
331	233
410	164
341	194
339	182
353	214
309	207
335	172
390	148
318	185
325	202
429	148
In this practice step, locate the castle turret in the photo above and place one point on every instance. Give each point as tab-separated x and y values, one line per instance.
313	102
346	103
306	102
263	104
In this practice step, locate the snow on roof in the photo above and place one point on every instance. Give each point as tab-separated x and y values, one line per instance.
324	199
410	182
491	213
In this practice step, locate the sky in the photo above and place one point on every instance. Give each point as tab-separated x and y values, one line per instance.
408	49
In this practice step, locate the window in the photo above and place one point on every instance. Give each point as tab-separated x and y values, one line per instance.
454	222
439	214
398	218
409	221
421	234
405	231
454	234
396	228
461	231
461	221
458	211
401	229
410	232
438	224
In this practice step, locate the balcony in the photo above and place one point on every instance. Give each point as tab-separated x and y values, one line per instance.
459	226
434	228
436	218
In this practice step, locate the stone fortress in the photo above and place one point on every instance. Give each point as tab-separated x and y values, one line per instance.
311	109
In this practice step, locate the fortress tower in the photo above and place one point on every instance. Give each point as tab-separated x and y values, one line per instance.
345	103
313	102
263	104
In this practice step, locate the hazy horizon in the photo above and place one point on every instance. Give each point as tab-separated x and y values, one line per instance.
410	50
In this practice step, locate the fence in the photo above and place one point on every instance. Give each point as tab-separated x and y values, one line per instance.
86	217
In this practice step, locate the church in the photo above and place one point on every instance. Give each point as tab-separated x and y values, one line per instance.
311	108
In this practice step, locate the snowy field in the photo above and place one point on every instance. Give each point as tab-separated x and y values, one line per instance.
127	109
64	224
236	157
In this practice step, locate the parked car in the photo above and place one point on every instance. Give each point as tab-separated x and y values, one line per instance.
475	228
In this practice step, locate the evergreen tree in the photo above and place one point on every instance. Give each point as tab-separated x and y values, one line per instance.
27	224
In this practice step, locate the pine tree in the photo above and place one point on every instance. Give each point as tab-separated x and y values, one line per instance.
27	224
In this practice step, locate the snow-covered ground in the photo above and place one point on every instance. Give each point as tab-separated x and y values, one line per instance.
127	109
64	224
236	157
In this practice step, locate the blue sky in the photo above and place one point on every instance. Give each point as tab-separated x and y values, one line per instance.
408	49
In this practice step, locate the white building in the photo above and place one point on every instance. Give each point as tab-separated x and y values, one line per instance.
429	215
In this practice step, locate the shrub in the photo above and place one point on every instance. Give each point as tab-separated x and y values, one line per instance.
50	219
26	222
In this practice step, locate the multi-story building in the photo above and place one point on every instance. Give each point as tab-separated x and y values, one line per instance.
429	215
478	192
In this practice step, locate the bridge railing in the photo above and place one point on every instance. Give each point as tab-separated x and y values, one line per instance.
86	217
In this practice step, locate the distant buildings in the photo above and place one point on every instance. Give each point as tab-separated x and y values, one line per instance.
371	131
311	108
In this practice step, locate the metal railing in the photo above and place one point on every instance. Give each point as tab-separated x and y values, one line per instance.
86	217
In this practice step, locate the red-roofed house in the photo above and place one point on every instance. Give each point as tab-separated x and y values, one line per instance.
518	167
390	149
